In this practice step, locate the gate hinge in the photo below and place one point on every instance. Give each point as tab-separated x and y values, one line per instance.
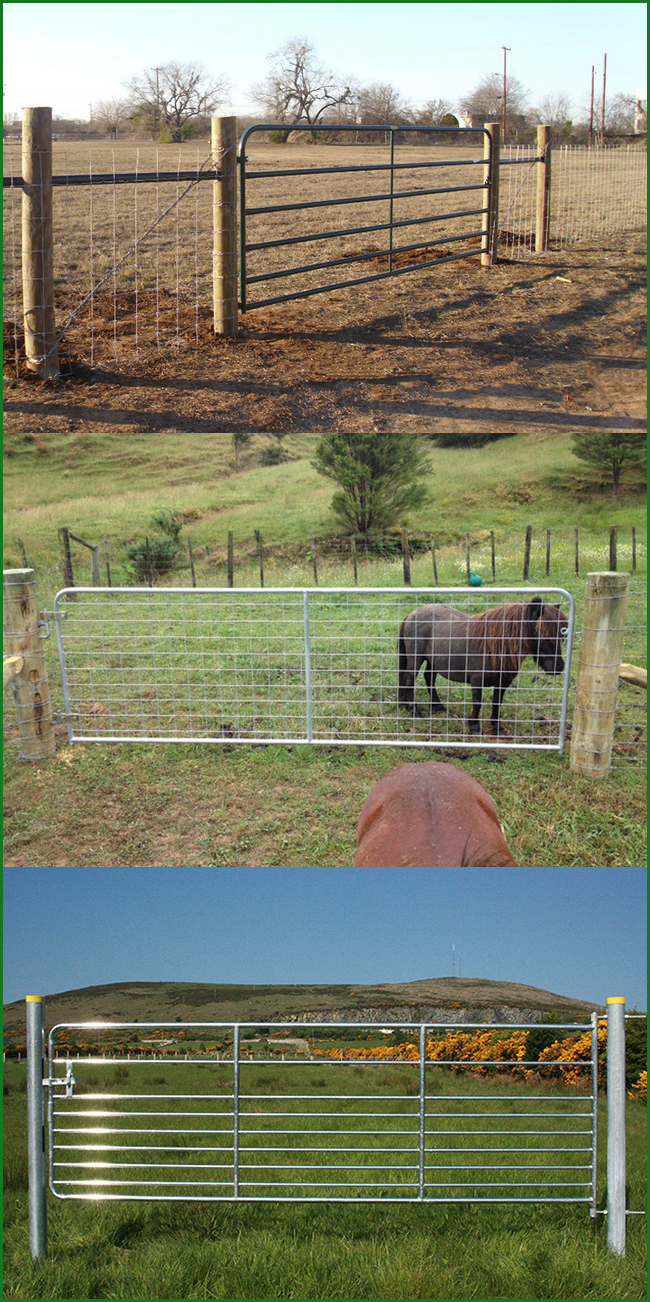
60	716
50	616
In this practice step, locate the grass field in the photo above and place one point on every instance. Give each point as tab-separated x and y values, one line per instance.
392	1250
235	805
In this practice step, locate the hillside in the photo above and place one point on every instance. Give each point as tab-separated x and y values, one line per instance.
440	999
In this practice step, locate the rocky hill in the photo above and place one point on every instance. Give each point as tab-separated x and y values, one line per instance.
442	999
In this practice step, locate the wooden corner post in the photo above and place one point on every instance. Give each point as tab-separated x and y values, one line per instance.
543	202
594	717
491	148
224	260
30	684
37	253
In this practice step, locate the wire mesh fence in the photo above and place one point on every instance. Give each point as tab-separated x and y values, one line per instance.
594	192
313	665
132	259
630	745
334	1129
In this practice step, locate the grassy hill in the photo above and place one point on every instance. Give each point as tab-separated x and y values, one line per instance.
166	1001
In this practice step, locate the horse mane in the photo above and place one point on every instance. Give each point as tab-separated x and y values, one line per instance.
504	635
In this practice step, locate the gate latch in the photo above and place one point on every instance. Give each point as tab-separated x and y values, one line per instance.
70	1081
46	616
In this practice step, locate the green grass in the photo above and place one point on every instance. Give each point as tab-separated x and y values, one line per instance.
239	805
392	1250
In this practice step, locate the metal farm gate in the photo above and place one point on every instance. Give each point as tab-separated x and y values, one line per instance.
250	1129
291	199
283	665
246	1113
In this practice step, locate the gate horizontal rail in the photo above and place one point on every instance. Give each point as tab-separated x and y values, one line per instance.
311	666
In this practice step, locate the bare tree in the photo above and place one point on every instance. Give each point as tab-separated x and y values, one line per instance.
486	102
436	113
619	115
382	105
298	89
109	115
167	99
555	111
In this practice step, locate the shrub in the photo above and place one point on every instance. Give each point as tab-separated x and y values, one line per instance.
163	552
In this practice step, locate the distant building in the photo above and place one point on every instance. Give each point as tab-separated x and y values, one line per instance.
640	111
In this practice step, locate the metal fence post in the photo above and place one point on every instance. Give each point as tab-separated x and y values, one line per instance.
30	685
594	717
492	157
616	1209
35	1010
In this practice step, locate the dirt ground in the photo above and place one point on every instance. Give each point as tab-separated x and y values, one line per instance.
549	342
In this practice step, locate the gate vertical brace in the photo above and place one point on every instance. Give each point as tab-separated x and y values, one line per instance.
67	706
391	201
564	707
241	159
35	1010
235	1112
422	1101
308	695
594	1111
616	1210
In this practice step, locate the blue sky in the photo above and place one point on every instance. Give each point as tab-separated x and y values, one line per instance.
575	931
71	55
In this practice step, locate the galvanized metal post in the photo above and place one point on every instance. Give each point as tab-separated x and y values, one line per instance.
36	1126
616	1209
594	1111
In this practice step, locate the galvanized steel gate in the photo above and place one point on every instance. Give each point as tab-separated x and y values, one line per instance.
387	209
249	1132
283	665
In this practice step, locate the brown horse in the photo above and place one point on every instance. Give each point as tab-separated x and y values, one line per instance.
430	815
484	650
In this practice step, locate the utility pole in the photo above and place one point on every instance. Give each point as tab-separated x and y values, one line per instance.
602	110
503	105
591	107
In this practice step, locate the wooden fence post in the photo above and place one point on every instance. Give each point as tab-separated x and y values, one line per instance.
548	552
38	248
231	559
353	550
433	558
527	545
491	216
467	556
66	557
492	557
613	536
543	203
594	717
224	217
31	688
314	561
406	558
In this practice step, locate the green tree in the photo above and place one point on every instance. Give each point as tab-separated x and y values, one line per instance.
380	477
611	453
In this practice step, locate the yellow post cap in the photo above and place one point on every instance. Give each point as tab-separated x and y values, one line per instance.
34	999
616	999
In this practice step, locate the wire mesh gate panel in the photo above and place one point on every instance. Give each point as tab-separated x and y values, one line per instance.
264	1115
284	665
327	202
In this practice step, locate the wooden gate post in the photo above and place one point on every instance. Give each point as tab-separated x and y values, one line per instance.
543	204
491	217
37	253
224	210
597	682
30	685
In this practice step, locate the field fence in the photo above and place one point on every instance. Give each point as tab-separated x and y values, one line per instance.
594	192
291	666
133	260
273	1129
